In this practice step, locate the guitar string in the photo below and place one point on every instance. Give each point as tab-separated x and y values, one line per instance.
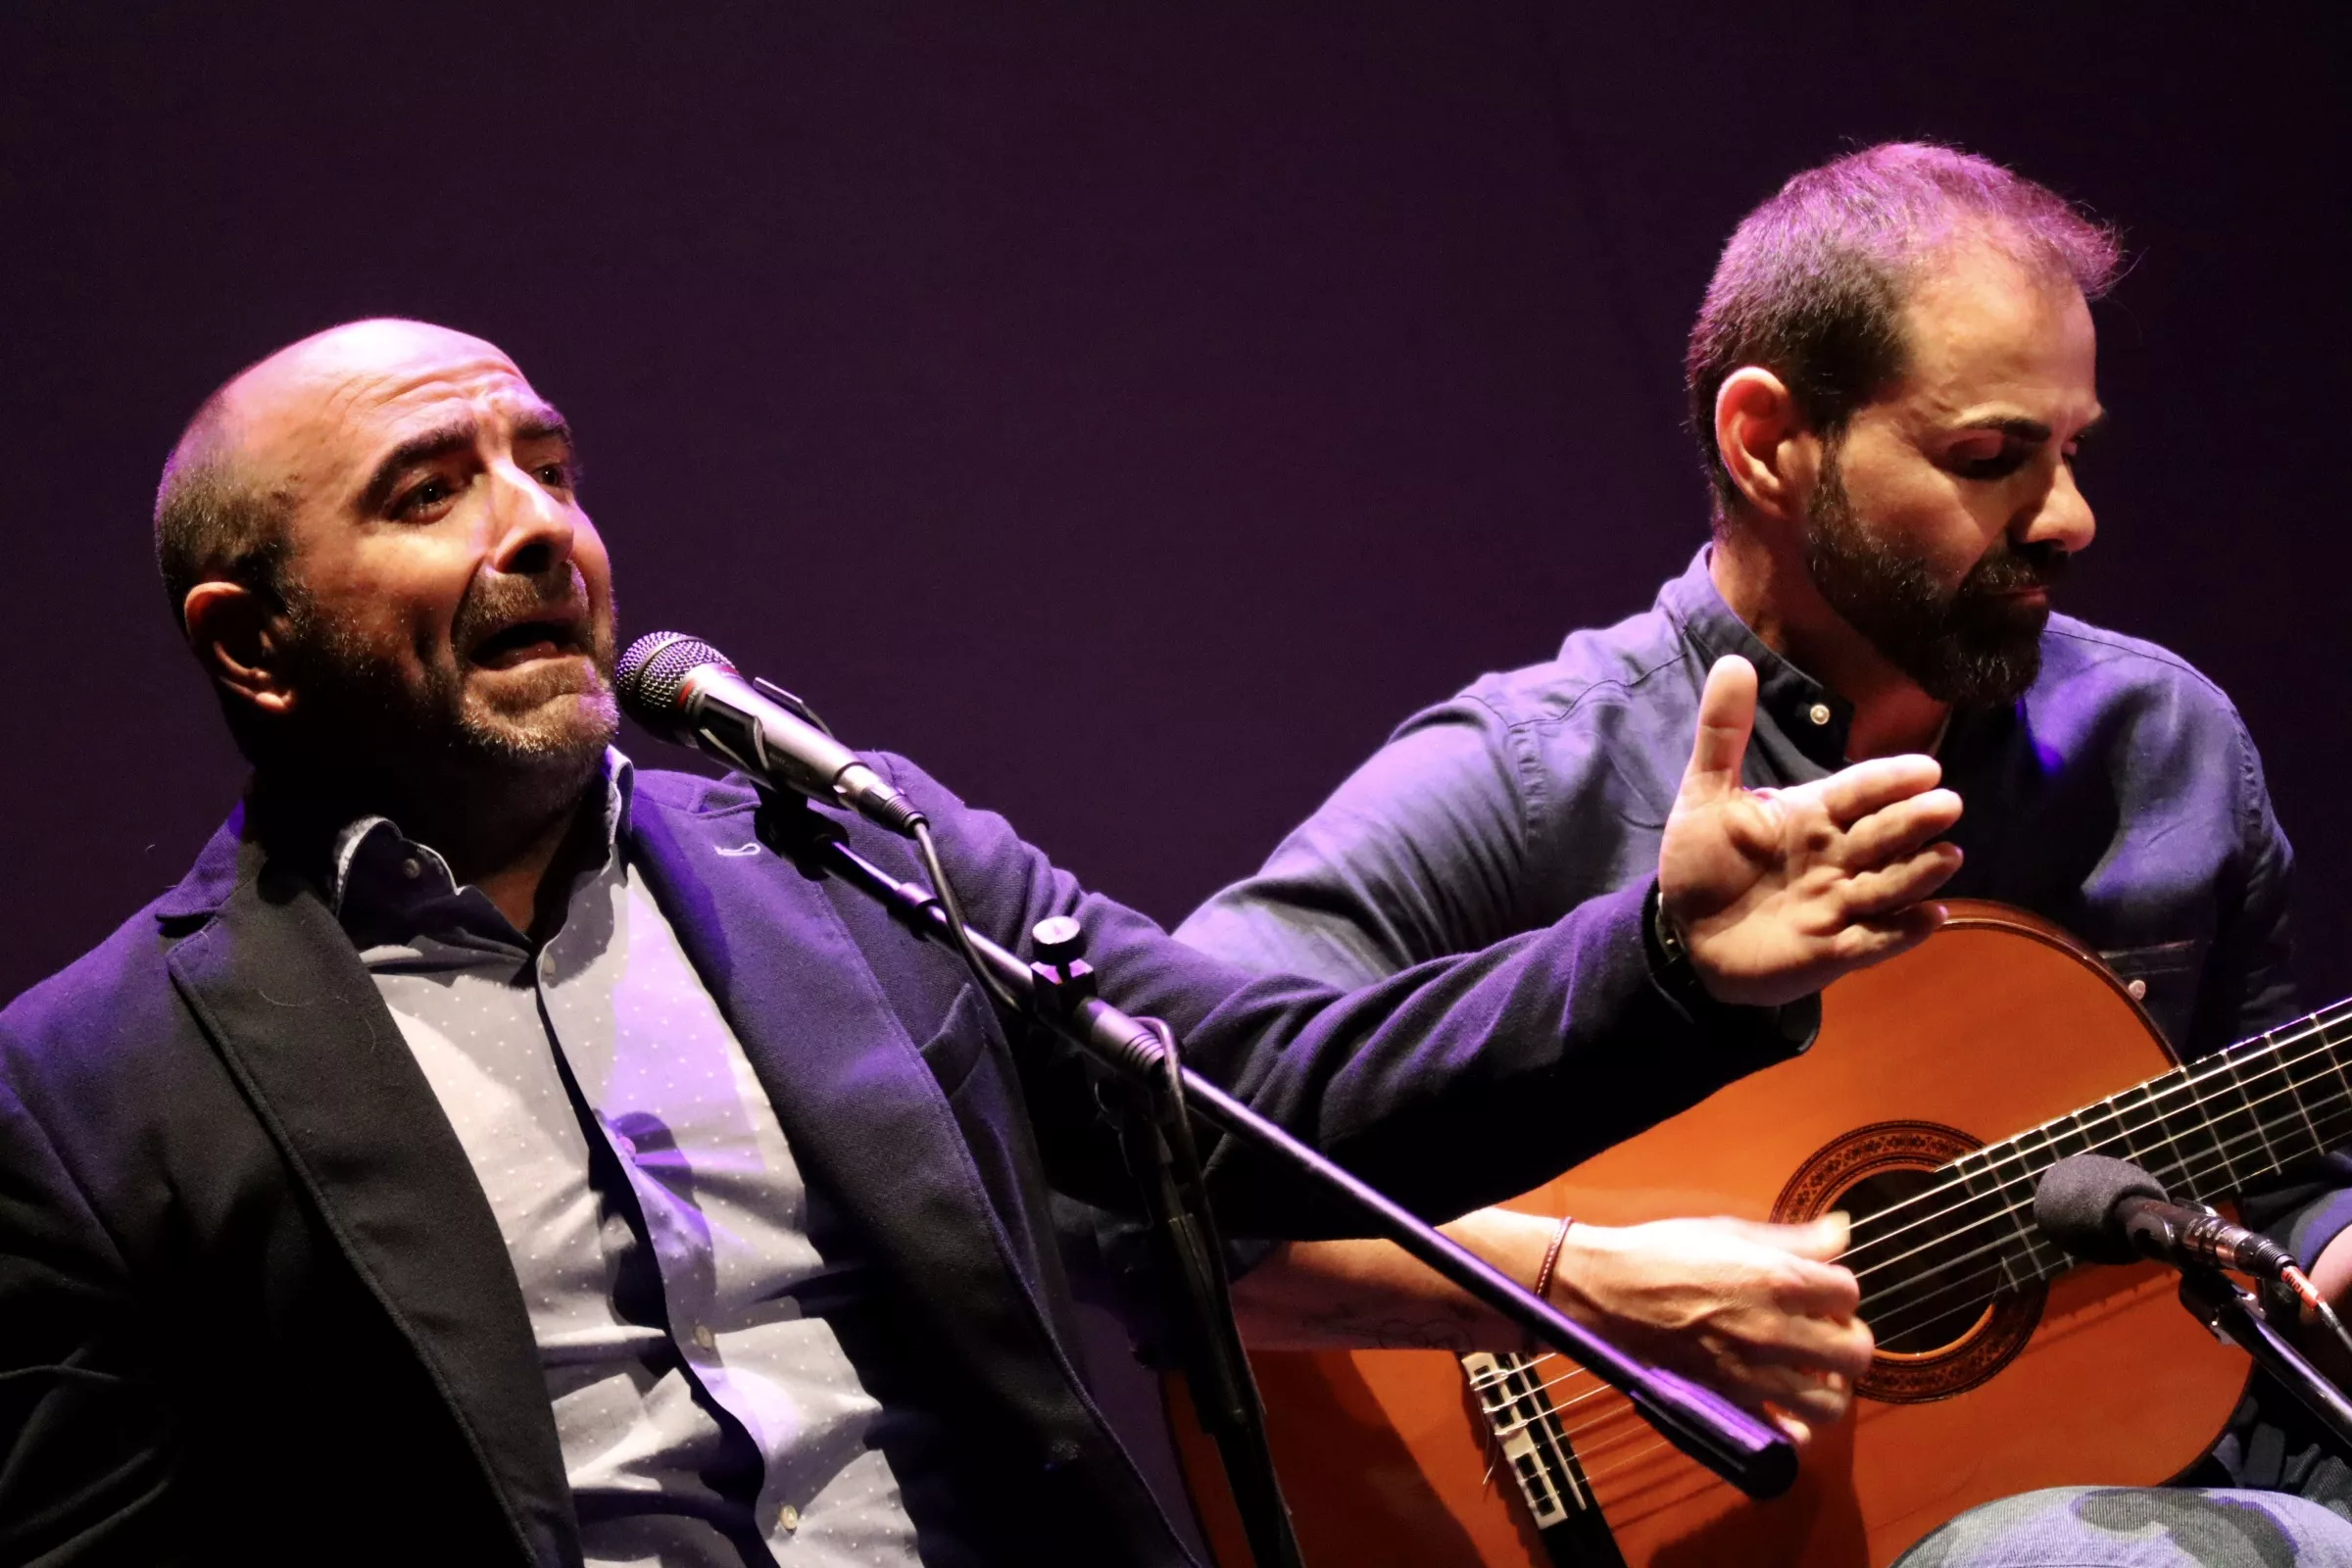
1890	1318
1882	1320
2259	1129
1573	1433
1568	1435
2226	1145
1886	1317
2195	1076
2316	1025
2033	1245
1594	1476
2313	1025
2219	1149
1569	1376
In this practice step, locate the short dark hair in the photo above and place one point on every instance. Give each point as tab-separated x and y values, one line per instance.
1813	282
213	521
216	522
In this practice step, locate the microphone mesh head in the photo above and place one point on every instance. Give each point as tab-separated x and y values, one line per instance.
2075	1201
653	671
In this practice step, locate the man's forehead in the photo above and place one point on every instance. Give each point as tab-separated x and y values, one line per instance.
373	381
1985	325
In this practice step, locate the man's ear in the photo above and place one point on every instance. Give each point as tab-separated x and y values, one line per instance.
1764	443
236	635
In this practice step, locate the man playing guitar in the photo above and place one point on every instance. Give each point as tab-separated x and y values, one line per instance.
1889	378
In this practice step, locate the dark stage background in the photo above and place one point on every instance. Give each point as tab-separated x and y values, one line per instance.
1129	411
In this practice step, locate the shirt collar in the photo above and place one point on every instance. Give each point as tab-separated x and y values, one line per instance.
374	868
1814	718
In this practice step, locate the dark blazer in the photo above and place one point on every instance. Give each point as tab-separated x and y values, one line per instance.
254	1306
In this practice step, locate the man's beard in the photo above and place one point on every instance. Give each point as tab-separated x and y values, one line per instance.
1973	646
369	717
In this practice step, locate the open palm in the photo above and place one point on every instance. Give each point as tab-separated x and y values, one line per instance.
1776	893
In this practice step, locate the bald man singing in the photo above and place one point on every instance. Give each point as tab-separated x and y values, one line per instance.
490	1153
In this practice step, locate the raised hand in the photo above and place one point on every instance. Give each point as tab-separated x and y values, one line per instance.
1757	1312
1776	893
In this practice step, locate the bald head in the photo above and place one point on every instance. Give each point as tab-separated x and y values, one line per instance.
227	493
373	544
226	498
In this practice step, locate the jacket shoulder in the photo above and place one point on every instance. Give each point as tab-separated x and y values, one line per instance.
115	1001
693	793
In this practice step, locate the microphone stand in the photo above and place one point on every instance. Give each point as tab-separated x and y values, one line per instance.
1142	1061
2231	1312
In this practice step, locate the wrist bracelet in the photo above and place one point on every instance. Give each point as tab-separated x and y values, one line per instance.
1551	1257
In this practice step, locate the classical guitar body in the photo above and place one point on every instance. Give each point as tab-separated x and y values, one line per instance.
1996	1025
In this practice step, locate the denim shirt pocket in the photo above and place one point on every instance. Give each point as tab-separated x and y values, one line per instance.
2162	978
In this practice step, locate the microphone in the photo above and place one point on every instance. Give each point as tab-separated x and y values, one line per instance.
2111	1212
685	690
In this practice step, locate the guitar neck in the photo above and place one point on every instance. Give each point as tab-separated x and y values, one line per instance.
2206	1130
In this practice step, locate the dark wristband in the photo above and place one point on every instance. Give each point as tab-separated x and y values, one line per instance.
1793	1026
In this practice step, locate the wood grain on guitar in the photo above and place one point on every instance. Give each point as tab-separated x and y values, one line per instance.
2000	1369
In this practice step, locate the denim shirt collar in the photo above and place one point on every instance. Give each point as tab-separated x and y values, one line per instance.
1798	709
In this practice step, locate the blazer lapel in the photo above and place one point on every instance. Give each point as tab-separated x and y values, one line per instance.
285	1000
861	1110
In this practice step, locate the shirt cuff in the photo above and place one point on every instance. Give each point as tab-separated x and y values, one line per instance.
1786	1030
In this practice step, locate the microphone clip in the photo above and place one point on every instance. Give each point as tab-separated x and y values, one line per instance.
795	829
797	704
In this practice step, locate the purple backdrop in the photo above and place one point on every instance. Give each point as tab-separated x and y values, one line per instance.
1129	411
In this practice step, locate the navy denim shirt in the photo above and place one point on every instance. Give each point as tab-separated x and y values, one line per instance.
2121	798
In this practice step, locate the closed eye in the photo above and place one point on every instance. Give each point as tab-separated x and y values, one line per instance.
2000	464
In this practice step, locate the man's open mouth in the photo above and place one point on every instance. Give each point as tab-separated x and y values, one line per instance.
526	640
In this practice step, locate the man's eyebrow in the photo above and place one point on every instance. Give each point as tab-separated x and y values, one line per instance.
420	448
2016	426
541	422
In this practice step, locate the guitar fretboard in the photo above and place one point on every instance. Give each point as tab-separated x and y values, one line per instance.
2206	1131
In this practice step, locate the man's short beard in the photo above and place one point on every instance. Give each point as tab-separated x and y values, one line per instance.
371	719
1972	646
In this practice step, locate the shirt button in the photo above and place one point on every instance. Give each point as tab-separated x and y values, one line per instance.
2138	990
547	963
1820	714
627	1145
788	1517
705	1339
411	869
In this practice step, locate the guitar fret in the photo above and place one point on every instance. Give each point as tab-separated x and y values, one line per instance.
2281	1071
2335	1062
2242	1126
1987	1193
2190	1135
2041	1259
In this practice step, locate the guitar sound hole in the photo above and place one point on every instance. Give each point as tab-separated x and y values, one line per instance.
1936	1302
1924	1291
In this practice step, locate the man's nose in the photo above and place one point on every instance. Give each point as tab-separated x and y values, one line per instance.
535	529
2064	517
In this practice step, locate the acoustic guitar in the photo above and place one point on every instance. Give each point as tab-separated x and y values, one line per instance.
1942	1084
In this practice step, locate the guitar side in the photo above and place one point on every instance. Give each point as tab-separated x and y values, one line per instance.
1996	1024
